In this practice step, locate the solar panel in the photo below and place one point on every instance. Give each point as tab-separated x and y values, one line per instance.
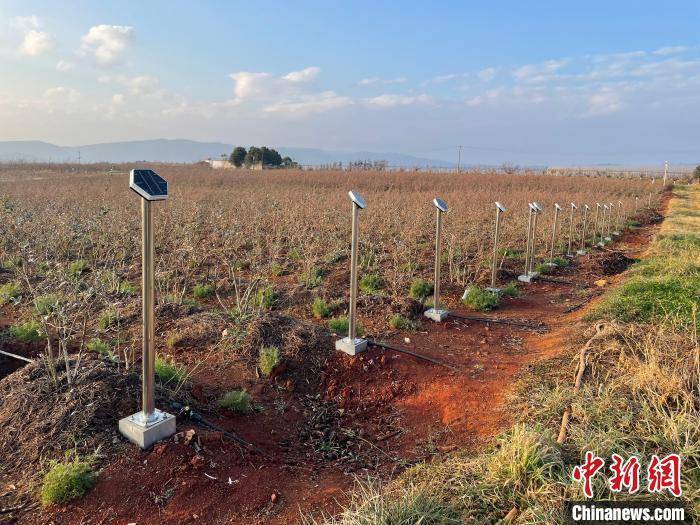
440	204
149	185
357	199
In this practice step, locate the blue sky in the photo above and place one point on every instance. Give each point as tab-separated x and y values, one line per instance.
525	82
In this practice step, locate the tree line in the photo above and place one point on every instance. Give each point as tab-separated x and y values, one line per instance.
267	157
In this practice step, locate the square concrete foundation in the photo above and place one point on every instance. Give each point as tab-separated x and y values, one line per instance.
581	252
133	429
527	278
436	315
496	291
351	346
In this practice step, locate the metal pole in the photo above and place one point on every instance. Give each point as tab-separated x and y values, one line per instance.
527	243
438	244
149	357
534	240
619	217
571	230
495	247
554	234
610	209
602	225
595	221
636	203
665	172
583	228
353	273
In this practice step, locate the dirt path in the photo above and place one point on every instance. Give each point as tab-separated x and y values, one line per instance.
374	414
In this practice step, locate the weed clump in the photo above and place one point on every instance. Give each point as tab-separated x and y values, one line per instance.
480	299
371	284
27	332
99	346
320	308
67	481
341	325
107	319
399	322
420	289
169	372
268	359
266	298
236	401
202	291
77	268
510	290
9	292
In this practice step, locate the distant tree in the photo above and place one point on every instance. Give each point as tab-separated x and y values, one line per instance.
288	162
696	173
254	156
270	157
237	157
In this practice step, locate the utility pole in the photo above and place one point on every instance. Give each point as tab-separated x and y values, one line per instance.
665	172
459	158
78	157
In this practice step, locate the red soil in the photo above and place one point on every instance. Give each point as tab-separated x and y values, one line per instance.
399	410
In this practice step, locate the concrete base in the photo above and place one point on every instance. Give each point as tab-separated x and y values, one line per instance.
161	427
570	255
436	315
351	346
616	234
581	252
497	291
551	264
600	244
608	239
528	278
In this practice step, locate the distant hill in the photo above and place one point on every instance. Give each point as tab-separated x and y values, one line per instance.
163	150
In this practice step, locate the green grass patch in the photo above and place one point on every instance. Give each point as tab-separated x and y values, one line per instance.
268	359
108	318
236	401
480	299
320	308
341	325
266	298
99	346
9	292
510	290
67	481
169	372
27	332
371	284
420	289
47	304
203	291
78	268
399	322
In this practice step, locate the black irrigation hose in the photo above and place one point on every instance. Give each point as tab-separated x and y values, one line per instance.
194	416
413	354
550	280
511	322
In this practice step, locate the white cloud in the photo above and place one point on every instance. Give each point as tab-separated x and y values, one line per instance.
63	65
61	93
250	85
539	72
308	104
603	103
376	81
305	75
106	43
669	50
36	43
144	85
25	23
487	74
118	99
390	101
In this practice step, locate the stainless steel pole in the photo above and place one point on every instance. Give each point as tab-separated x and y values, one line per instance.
149	357
353	273
571	230
527	243
438	245
583	228
554	235
534	240
495	248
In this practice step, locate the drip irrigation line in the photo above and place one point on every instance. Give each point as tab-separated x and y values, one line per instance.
21	358
413	354
550	280
194	416
524	324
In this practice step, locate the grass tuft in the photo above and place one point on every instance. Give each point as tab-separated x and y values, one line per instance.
399	322
371	284
420	289
268	359
202	291
480	299
67	481
236	401
320	308
169	372
9	292
27	332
